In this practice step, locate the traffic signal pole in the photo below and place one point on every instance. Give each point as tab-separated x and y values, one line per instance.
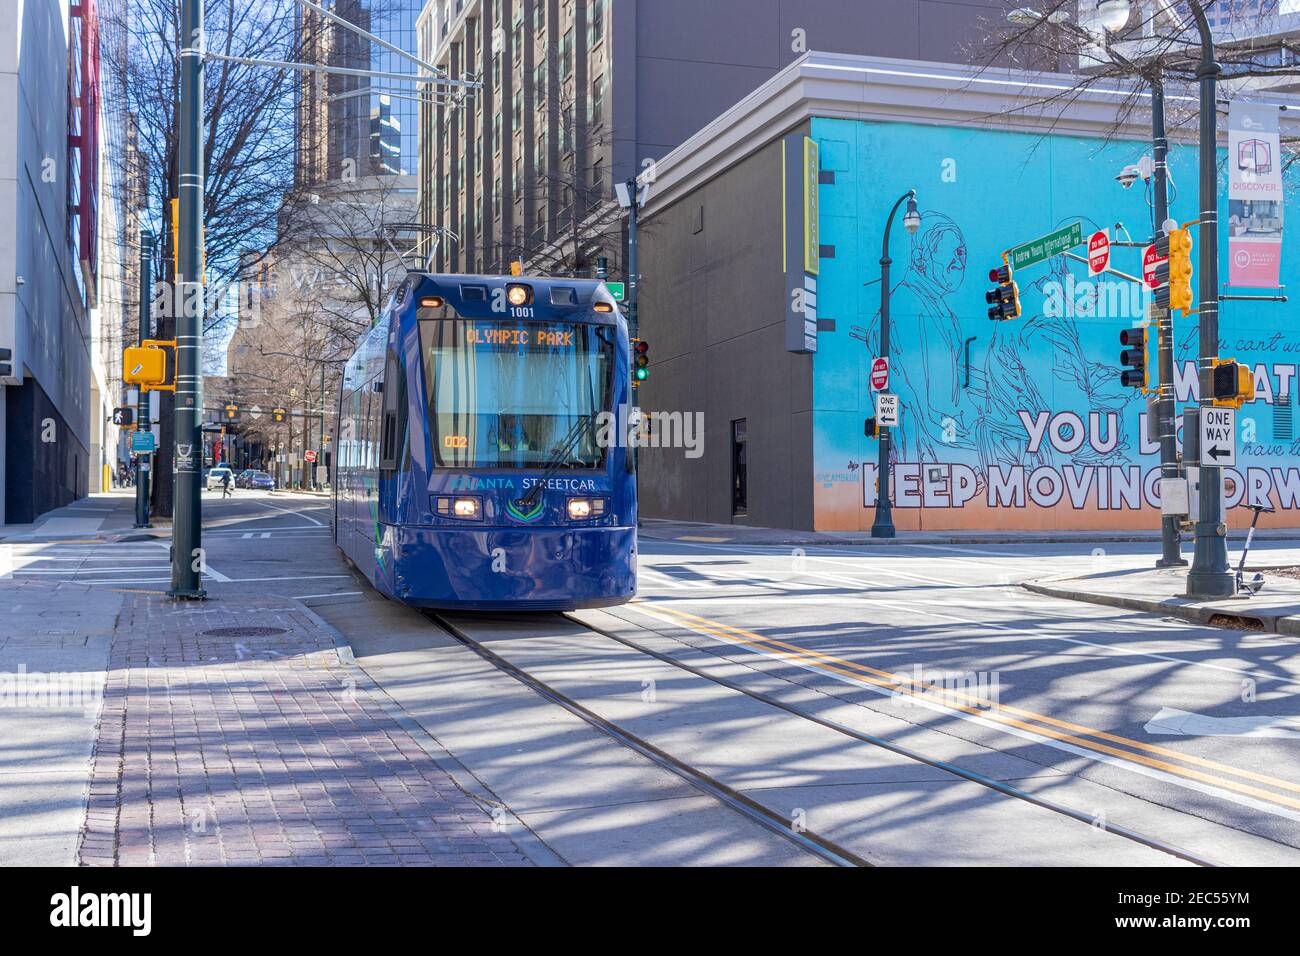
187	554
1170	536
143	461
1209	575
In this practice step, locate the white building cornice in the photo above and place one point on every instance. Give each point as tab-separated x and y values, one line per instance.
881	89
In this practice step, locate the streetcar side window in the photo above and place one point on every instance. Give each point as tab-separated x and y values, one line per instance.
394	404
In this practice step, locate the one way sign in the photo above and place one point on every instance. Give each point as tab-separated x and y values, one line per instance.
1218	437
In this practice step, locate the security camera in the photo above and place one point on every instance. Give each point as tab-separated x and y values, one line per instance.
1128	176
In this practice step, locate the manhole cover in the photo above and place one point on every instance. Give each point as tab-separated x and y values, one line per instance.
245	631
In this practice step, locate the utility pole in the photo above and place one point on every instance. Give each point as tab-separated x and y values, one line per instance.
633	280
143	459
1170	535
1209	575
883	525
187	525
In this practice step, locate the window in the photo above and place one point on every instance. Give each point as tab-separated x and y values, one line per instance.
598	174
517	175
566	53
739	468
478	154
539	15
517	38
505	394
496	70
496	133
539	158
595	22
496	197
539	82
518	108
597	101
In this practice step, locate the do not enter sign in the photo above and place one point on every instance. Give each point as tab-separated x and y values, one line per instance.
1098	252
880	374
310	455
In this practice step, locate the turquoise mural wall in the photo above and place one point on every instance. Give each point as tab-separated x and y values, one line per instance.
1035	432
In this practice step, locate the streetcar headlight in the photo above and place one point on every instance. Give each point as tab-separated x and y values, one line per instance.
471	509
519	294
581	509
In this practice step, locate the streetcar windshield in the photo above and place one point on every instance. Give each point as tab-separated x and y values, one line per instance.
508	395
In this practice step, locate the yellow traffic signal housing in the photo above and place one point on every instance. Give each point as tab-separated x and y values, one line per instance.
278	414
232	413
1232	383
1180	270
144	366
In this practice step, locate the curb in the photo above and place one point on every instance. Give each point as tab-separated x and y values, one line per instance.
903	540
1183	608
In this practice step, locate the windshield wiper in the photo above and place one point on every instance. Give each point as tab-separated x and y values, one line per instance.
559	458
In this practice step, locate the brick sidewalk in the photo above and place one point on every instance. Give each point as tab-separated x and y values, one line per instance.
244	749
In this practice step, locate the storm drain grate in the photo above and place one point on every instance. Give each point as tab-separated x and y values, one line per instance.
245	631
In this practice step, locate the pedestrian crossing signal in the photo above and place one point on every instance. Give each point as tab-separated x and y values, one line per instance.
1134	358
1232	384
1004	301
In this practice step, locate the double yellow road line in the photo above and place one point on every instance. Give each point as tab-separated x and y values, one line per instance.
1169	761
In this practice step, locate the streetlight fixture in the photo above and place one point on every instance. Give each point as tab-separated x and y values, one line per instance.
883	525
1114	14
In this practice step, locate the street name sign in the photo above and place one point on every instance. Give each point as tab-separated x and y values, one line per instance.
1052	244
1218	437
1098	252
886	410
880	374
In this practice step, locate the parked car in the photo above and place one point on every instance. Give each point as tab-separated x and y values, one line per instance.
241	479
216	475
261	480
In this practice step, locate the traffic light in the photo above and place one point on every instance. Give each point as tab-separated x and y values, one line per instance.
1134	357
1174	276
870	428
640	360
6	362
278	414
1232	384
1004	301
232	413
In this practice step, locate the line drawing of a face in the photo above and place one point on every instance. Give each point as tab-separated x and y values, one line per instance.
939	253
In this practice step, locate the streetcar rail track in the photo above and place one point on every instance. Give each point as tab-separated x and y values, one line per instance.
752	810
972	776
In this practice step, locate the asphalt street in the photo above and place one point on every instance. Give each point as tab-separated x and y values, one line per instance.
1185	734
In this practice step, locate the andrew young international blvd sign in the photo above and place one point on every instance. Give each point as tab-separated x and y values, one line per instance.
1052	244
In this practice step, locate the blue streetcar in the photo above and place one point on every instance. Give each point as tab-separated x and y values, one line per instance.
479	462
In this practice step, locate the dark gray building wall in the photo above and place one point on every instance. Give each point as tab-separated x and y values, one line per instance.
712	307
694	59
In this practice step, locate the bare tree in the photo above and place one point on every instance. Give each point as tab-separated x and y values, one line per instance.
1159	42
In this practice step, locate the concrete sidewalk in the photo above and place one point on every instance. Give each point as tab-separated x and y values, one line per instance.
1275	609
95	516
136	730
54	646
692	532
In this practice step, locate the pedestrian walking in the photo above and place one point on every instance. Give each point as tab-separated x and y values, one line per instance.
225	485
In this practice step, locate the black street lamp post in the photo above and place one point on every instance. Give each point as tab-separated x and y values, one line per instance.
883	526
